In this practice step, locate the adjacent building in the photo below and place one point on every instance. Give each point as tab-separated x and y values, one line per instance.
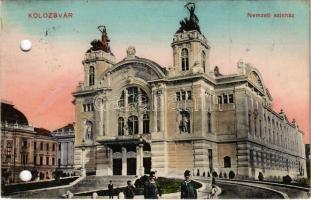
65	137
134	115
24	147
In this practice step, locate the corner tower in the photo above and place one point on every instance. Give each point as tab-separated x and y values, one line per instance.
97	59
190	47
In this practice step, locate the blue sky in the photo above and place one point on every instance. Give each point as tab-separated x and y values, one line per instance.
156	21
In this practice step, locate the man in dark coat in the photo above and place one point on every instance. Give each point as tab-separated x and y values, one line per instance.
110	190
129	191
187	190
151	189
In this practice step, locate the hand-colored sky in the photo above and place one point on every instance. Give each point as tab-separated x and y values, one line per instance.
40	82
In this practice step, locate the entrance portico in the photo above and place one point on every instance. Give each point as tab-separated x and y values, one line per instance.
128	157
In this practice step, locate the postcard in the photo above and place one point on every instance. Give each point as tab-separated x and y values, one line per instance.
155	99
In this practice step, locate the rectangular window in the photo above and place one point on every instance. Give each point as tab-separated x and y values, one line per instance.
225	99
35	145
219	99
59	162
210	159
47	161
88	107
41	160
231	98
35	160
47	146
53	148
209	122
189	95
84	107
59	147
53	161
183	95
24	144
41	146
92	106
177	96
9	145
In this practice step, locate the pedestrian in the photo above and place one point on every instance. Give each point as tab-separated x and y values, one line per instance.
110	189
94	195
69	195
187	188
120	193
214	194
129	191
151	189
213	180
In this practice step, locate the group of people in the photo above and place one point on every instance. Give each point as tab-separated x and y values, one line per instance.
153	191
127	193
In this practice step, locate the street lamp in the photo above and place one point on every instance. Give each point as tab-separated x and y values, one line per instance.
141	157
83	147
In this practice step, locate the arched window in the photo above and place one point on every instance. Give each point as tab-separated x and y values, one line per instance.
145	124
227	162
184	59
203	60
91	75
120	126
132	124
132	95
144	97
88	130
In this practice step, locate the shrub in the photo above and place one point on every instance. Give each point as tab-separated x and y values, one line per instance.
260	176
287	179
305	182
214	174
220	175
225	175
231	175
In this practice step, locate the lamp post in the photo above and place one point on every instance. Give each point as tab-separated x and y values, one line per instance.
141	157
83	147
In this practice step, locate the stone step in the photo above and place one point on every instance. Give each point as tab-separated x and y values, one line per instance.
91	183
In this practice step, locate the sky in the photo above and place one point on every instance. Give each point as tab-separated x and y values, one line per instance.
40	82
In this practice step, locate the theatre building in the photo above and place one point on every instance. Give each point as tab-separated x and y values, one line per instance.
134	115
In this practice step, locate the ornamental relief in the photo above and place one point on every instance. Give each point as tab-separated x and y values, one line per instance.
139	70
254	78
117	155
131	154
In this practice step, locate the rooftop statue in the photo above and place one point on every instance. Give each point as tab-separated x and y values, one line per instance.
102	44
192	23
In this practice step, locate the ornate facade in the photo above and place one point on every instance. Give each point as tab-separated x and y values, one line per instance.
24	147
65	137
134	115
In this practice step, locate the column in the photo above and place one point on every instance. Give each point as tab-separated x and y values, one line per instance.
162	110
124	162
101	118
125	98
154	109
140	123
83	171
140	160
